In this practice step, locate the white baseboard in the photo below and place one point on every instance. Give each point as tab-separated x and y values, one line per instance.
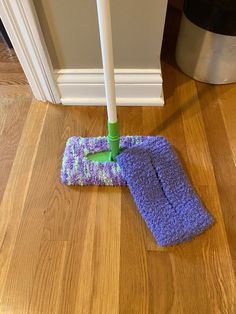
134	87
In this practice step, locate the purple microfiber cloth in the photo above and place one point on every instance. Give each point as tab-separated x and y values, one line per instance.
177	186
77	169
170	207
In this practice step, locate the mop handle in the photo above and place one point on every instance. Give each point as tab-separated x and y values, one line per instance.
104	21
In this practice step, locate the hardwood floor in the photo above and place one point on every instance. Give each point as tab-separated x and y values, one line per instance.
86	249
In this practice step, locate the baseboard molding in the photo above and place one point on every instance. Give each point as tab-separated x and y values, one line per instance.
134	87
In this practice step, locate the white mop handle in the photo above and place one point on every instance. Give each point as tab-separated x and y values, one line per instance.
104	20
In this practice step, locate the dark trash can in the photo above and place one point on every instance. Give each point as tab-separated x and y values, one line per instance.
206	45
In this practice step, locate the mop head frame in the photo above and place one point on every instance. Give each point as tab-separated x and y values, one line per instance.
78	169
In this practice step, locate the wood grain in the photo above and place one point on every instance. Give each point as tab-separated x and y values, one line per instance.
133	260
106	252
86	249
7	55
46	290
219	128
13	113
13	79
42	178
13	202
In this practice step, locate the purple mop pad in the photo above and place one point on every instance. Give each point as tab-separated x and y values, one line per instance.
77	169
162	192
167	227
176	185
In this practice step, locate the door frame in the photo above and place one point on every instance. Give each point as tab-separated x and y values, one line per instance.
21	22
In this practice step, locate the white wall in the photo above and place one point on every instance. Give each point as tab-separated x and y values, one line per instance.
71	32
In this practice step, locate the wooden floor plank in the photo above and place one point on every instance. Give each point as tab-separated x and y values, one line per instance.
23	264
226	96
13	202
7	55
134	292
12	67
161	283
47	285
84	295
13	113
106	258
222	160
13	79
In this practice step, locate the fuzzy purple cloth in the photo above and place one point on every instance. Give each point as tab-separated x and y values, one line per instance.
79	170
162	192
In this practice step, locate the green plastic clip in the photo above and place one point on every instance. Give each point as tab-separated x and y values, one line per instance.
113	139
114	145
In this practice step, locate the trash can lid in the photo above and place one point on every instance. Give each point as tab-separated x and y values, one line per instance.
218	16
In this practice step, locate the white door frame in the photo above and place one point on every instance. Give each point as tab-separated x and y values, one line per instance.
22	25
71	86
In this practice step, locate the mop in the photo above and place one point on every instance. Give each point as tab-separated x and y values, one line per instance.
147	164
